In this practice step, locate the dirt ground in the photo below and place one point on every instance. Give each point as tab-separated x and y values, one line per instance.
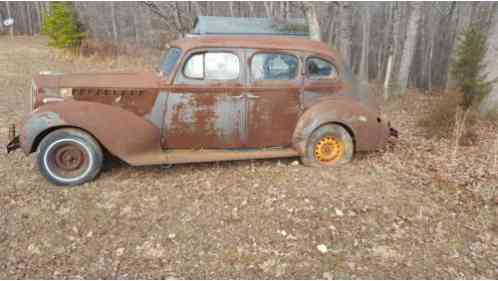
408	211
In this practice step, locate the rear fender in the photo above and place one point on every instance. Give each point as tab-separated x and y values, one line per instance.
121	132
363	123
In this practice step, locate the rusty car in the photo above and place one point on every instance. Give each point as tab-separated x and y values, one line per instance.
211	99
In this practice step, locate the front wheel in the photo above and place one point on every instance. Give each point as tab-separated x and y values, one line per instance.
68	157
328	145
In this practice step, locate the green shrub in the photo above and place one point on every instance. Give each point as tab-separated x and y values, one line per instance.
61	26
468	66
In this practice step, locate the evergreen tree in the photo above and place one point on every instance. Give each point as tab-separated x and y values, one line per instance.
61	26
468	66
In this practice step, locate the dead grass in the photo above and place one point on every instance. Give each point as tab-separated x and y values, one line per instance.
124	52
447	119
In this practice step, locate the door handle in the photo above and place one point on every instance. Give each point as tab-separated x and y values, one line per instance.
237	97
250	96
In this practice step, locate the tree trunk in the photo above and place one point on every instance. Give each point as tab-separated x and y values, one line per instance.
39	14
198	9
388	76
395	48
28	17
431	52
386	49
209	8
1	23
230	5
136	25
409	47
268	8
490	102
287	10
11	27
178	22
345	37
330	39
365	43
312	21
113	21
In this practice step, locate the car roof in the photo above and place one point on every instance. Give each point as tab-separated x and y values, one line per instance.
260	42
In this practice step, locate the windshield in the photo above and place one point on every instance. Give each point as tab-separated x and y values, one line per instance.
170	60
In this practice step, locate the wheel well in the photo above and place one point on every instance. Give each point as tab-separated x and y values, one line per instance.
346	127
43	134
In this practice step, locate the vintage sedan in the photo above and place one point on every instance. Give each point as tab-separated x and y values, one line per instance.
212	99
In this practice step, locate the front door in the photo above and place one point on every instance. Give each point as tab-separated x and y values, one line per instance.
273	98
206	106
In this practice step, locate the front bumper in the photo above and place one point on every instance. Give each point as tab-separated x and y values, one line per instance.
14	142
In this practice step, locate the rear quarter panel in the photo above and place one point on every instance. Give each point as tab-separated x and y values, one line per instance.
368	130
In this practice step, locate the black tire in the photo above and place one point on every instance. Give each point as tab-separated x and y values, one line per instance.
333	136
69	157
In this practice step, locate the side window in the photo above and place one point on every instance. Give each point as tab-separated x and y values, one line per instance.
274	66
317	68
212	66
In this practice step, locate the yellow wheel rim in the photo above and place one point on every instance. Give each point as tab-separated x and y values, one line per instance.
329	150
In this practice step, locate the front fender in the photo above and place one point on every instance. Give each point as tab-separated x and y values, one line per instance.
121	132
365	124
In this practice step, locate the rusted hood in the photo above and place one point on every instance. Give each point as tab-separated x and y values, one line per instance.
143	80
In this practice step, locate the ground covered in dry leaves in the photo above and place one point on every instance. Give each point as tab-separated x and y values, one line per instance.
409	211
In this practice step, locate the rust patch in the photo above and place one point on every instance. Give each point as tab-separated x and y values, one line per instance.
204	117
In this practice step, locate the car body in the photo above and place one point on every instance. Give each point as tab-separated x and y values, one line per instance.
214	98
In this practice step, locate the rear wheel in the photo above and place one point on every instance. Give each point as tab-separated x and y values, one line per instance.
327	146
69	157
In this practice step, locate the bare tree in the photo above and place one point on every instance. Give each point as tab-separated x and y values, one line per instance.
198	9
28	18
365	13
490	102
230	5
345	37
268	8
113	22
11	27
409	47
251	8
312	20
166	11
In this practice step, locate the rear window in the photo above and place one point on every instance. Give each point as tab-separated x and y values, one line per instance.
318	68
170	60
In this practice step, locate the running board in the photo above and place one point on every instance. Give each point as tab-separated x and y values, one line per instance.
177	156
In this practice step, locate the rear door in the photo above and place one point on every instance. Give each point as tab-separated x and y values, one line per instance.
206	108
321	80
273	98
